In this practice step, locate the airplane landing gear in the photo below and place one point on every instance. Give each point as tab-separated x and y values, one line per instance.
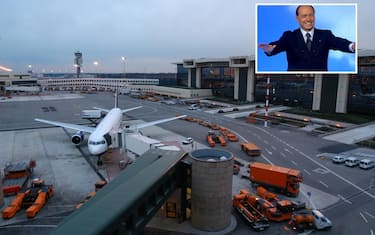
99	161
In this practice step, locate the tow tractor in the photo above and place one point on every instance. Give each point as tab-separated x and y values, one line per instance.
33	198
255	218
278	212
306	220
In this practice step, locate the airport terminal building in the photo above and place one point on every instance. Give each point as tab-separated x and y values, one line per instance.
235	78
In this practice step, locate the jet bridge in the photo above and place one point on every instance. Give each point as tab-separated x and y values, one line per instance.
128	203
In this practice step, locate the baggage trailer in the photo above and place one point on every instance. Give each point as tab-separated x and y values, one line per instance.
16	176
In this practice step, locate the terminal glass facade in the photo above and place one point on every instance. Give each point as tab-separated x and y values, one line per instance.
285	89
182	76
219	79
361	95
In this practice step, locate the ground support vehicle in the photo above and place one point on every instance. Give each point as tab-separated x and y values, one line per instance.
273	212
210	141
220	139
250	149
251	117
213	136
213	126
33	199
253	216
232	137
16	176
279	178
307	220
98	185
229	135
285	205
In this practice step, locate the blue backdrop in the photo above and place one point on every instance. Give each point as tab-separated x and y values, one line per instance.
273	20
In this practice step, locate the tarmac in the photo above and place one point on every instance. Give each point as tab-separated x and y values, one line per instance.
353	135
57	162
348	134
314	198
61	164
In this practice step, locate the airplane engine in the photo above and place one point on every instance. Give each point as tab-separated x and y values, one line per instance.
77	138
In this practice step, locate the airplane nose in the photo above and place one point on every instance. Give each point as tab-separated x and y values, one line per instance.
97	149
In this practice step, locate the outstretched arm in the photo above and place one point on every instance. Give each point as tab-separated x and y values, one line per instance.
342	44
267	48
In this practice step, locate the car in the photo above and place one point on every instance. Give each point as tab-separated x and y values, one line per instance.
188	140
338	159
194	107
351	162
366	164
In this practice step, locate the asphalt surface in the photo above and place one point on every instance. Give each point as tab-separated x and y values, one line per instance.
345	195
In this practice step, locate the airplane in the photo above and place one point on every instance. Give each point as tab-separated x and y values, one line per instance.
99	139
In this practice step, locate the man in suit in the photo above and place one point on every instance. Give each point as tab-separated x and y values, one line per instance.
307	48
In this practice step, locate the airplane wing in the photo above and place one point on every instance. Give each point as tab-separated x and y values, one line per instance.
100	109
146	124
123	111
68	125
127	110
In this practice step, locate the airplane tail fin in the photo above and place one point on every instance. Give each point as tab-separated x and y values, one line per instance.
116	98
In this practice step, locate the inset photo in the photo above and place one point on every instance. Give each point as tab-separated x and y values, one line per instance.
302	38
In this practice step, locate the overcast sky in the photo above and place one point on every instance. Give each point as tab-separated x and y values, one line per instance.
151	34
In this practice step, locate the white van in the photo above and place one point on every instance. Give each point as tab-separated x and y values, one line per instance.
352	161
366	164
320	221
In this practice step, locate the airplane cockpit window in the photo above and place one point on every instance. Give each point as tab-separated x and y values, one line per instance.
96	142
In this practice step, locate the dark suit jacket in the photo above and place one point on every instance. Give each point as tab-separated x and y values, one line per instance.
299	58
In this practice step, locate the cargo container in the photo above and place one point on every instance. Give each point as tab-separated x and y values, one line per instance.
286	180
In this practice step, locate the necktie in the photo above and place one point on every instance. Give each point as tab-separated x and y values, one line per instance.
308	41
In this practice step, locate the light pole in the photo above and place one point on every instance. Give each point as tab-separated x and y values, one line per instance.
267	101
96	63
30	69
124	60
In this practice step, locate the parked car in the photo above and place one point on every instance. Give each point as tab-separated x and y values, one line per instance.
188	140
338	159
351	162
366	164
194	107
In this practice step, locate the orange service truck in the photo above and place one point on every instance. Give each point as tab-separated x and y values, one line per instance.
250	149
283	179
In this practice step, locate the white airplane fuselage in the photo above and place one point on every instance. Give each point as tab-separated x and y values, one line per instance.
97	142
100	137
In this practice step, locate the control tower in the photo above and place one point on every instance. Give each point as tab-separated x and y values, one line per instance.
78	62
